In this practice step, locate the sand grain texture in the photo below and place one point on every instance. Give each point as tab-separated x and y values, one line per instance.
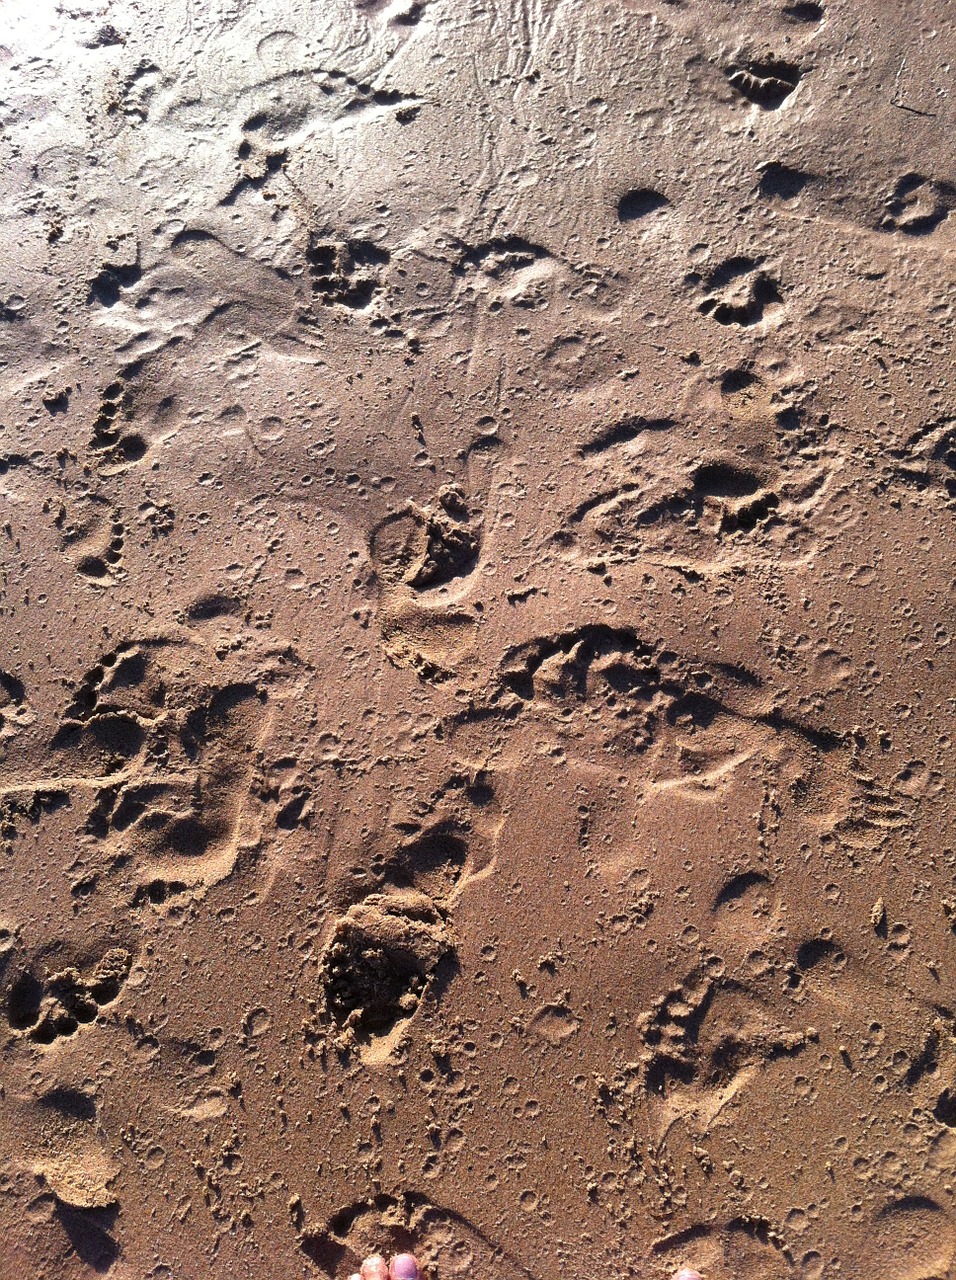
477	508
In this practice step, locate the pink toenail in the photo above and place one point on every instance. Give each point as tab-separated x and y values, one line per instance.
374	1268
404	1267
688	1273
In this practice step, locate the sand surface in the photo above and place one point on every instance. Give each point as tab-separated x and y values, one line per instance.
477	493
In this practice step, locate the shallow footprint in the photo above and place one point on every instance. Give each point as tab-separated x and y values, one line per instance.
64	1146
915	1239
446	1242
745	1248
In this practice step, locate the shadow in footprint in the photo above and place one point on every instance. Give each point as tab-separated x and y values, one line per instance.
639	203
89	1234
766	82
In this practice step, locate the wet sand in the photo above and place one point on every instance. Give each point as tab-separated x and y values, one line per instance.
476	602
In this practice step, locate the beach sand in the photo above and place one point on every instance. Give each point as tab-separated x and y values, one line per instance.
477	512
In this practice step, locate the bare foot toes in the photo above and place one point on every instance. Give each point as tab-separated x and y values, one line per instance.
404	1267
374	1268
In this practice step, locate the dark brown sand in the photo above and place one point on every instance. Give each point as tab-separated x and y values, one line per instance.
477	495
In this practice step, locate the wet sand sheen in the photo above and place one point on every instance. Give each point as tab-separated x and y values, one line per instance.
475	625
